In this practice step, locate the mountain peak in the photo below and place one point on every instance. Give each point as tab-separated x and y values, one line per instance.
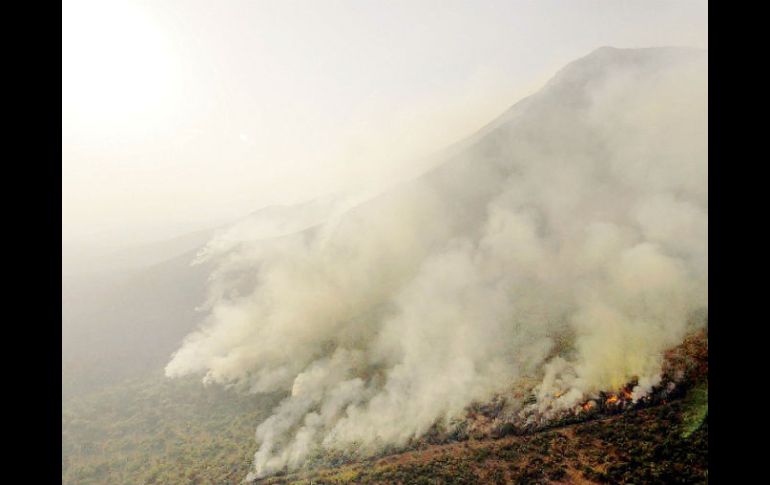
600	63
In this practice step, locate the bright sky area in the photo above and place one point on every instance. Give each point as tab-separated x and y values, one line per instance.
183	114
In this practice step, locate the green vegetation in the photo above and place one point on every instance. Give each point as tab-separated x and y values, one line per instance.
696	409
160	431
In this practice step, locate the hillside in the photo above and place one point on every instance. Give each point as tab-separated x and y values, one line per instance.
634	447
125	312
532	309
125	327
157	431
152	430
662	439
556	253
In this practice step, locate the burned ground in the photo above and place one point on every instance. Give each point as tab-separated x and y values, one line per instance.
637	446
662	439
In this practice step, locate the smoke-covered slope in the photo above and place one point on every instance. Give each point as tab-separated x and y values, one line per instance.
127	325
125	311
560	250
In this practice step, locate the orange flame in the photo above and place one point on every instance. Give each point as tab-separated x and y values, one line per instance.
612	399
588	406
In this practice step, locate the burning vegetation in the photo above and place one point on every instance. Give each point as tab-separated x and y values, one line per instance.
613	437
620	400
685	367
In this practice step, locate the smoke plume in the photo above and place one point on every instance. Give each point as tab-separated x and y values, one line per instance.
563	247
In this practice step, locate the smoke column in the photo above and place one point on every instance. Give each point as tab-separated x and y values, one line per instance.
563	248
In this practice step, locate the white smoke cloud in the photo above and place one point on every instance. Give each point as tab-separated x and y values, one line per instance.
566	247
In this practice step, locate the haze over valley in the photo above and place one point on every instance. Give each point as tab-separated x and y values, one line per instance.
528	277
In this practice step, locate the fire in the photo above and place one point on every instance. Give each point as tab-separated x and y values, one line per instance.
620	400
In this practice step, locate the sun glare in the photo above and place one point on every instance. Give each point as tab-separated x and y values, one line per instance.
116	64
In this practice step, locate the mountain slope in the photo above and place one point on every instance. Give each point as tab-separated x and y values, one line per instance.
550	259
635	447
558	254
160	431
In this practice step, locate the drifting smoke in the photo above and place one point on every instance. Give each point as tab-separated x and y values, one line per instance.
565	246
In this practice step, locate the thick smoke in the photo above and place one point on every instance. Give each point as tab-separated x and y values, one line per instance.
563	248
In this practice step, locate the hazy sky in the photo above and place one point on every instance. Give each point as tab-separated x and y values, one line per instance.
178	115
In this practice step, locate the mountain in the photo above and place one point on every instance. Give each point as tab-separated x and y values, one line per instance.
124	311
527	262
129	325
546	262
